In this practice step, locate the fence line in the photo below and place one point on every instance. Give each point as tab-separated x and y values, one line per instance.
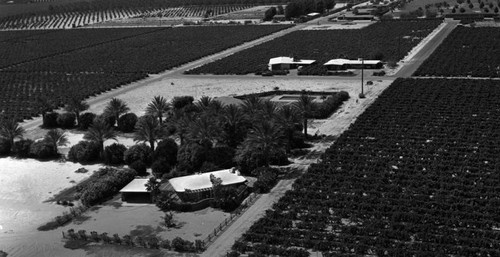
227	221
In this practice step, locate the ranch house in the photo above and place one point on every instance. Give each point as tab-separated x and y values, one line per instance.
287	63
197	187
344	64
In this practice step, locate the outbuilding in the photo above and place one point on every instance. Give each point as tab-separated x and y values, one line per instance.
287	63
136	192
344	64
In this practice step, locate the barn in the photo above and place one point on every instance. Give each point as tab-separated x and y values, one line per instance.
287	63
135	192
344	64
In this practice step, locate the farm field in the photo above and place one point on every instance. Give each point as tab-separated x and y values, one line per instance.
27	45
466	52
415	175
384	40
101	67
72	19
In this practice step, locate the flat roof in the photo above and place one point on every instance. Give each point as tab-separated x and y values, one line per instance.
137	185
346	61
289	60
202	180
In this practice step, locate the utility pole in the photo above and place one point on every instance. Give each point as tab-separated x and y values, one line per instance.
362	95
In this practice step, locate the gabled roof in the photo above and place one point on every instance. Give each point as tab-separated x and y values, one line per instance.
289	60
346	61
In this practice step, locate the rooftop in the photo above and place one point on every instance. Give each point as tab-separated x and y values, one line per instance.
289	60
202	180
346	61
137	185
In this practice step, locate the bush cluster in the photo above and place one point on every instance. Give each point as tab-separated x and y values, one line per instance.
330	105
104	183
113	154
84	151
266	179
126	123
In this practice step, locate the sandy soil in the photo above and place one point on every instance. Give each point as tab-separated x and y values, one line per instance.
26	184
340	25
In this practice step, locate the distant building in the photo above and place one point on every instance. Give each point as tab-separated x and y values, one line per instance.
287	63
344	64
135	192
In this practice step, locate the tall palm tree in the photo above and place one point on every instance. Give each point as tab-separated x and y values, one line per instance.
204	103
158	108
266	136
287	118
182	120
204	128
148	129
115	108
99	132
56	137
76	106
305	105
234	123
252	106
10	130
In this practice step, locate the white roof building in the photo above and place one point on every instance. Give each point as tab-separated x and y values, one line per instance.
288	62
202	180
341	62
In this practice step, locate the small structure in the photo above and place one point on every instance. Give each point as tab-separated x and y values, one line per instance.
199	186
344	64
287	63
279	17
135	192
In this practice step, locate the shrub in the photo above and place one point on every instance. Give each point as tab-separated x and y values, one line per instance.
104	183
139	152
190	157
208	166
22	148
160	167
50	120
266	179
113	154
126	123
66	120
139	167
330	105
165	244
181	245
249	158
164	200
180	102
43	150
4	146
222	156
86	120
84	151
167	150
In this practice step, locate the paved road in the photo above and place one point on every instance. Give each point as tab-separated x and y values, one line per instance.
410	67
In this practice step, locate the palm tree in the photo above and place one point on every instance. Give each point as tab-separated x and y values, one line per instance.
234	121
266	136
148	129
204	103
182	120
305	105
45	105
115	108
99	132
76	106
287	117
158	107
204	128
153	186
269	109
10	130
252	105
56	137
